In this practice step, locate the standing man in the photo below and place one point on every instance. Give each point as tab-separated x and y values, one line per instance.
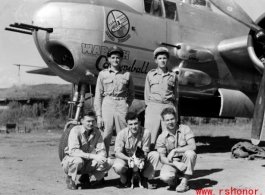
114	95
161	91
176	146
127	141
85	153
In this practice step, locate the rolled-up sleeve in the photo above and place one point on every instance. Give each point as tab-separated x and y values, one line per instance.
188	133
98	96
74	145
119	143
131	91
161	145
146	141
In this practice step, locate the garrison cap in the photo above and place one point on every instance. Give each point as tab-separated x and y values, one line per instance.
115	49
161	50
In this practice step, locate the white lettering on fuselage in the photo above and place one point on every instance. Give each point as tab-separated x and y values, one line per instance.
138	66
142	69
98	50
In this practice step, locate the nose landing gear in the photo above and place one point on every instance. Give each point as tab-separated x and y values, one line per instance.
76	109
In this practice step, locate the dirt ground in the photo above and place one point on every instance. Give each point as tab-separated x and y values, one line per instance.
29	164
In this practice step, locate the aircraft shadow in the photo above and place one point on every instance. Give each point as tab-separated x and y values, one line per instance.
206	144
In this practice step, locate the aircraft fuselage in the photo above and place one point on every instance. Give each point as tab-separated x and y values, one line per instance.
84	30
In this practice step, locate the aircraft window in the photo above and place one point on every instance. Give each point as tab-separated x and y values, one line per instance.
153	7
171	10
199	2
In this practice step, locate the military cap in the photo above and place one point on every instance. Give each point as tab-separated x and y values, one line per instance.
115	49
161	50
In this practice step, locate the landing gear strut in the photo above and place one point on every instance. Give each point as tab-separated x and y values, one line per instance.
76	110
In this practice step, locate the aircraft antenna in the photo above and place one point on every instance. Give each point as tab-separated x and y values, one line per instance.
18	65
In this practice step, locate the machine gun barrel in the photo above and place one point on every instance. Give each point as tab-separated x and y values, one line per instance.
19	31
22	25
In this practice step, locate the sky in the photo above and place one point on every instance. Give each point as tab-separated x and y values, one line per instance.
16	48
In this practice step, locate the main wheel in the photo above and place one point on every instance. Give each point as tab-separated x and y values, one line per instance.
64	142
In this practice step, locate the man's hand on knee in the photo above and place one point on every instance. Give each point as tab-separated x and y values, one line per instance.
180	165
100	159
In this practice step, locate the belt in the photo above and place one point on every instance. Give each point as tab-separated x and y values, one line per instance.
117	98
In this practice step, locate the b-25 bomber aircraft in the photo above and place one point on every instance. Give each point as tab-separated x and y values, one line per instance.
218	58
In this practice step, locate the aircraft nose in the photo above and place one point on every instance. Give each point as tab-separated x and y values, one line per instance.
74	24
48	15
56	50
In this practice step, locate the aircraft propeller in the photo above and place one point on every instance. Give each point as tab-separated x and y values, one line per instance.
233	10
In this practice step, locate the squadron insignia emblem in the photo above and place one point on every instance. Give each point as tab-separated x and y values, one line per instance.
118	26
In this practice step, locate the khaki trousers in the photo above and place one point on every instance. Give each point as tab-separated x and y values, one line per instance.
76	165
120	166
168	172
113	113
153	119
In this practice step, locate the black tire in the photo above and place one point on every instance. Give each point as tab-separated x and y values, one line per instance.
64	142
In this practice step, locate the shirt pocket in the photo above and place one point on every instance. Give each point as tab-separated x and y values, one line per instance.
128	150
182	143
170	144
154	85
170	85
123	84
108	85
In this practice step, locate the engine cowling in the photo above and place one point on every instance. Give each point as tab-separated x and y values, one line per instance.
255	48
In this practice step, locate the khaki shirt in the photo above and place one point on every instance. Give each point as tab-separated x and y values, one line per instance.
116	84
80	144
161	87
166	141
127	144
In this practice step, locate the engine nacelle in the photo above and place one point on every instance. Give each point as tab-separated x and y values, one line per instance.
255	48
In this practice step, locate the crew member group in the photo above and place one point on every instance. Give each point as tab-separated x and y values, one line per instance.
174	147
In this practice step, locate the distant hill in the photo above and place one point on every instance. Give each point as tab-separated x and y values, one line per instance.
35	91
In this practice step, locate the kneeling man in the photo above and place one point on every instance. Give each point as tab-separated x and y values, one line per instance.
176	146
126	144
86	153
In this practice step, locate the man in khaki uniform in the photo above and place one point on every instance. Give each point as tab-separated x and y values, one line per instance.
176	146
114	95
161	91
126	144
85	153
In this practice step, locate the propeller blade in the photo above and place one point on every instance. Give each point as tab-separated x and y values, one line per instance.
258	118
232	9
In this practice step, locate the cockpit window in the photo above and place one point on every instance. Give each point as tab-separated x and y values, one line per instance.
171	10
153	7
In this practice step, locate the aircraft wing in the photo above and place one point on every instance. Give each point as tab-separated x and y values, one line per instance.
234	51
42	71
